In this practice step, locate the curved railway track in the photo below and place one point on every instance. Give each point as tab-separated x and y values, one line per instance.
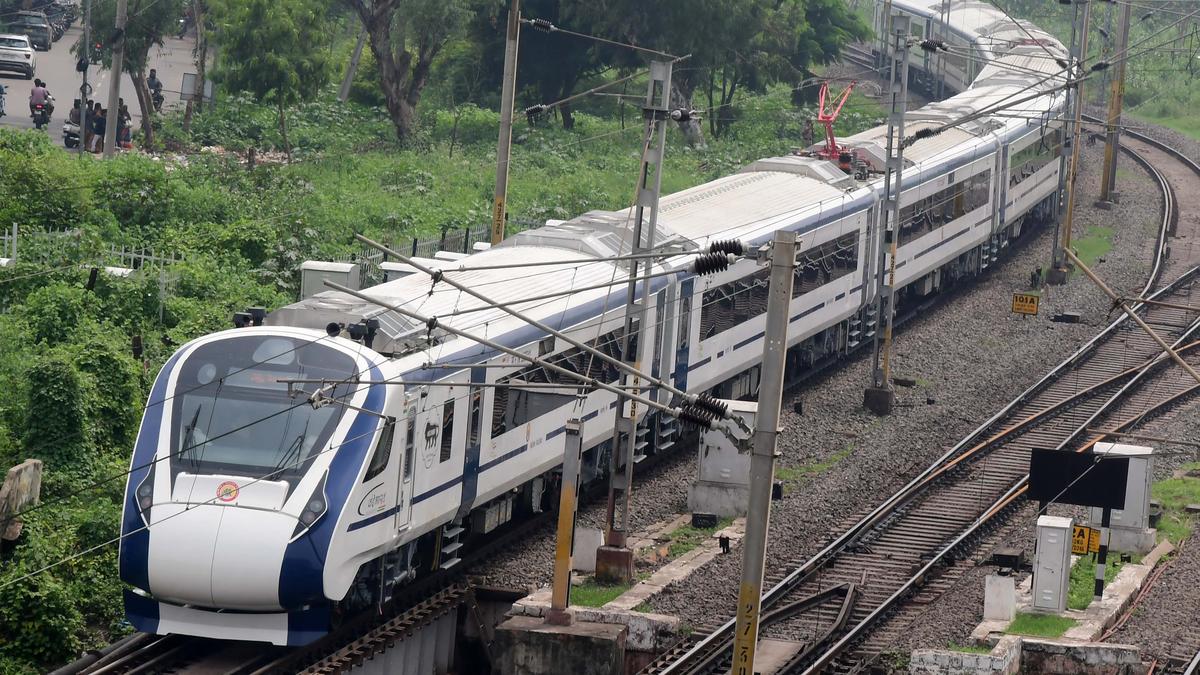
900	551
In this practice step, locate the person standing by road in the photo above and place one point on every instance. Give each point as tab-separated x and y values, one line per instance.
99	125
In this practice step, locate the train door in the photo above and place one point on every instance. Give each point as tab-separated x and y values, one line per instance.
663	304
406	438
684	341
378	497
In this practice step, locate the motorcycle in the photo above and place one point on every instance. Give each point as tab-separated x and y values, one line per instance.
41	114
156	97
70	135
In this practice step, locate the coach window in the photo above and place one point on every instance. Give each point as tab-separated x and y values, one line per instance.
410	433
476	416
825	263
447	430
1034	157
383	451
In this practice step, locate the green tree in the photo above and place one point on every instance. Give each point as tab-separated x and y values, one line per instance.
55	313
55	423
272	49
735	45
148	22
551	65
405	37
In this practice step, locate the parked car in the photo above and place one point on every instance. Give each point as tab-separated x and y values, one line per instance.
16	54
35	25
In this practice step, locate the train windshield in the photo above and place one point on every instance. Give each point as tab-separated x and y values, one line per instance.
233	415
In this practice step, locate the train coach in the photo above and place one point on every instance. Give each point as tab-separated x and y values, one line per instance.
253	513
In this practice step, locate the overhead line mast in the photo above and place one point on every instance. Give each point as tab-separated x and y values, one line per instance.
614	560
880	397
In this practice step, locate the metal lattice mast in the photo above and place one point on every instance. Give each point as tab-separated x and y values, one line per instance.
880	397
614	560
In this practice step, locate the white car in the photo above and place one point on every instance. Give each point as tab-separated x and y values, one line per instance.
16	54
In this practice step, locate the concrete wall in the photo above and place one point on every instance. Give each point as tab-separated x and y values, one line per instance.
1004	659
21	489
1065	658
1014	654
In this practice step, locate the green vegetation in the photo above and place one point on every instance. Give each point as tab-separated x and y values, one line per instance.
1163	75
1083	579
1094	244
1176	494
1040	625
593	594
687	538
791	475
969	649
644	608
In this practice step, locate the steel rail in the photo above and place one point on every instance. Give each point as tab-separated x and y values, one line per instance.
1006	500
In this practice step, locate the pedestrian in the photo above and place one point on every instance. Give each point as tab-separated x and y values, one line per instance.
99	126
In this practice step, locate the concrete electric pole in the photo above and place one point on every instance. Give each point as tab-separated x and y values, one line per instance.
508	93
113	116
568	502
762	453
614	560
1112	145
85	90
1068	170
880	397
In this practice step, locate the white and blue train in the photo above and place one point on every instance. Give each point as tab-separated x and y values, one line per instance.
250	514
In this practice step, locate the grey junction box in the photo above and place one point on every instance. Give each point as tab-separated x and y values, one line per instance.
1129	528
1052	564
723	486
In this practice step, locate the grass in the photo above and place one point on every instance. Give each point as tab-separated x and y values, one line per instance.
1186	124
1094	244
592	594
644	608
1083	579
1175	494
793	474
969	649
1040	625
687	538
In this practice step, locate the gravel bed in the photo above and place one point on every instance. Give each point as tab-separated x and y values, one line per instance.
1166	621
970	356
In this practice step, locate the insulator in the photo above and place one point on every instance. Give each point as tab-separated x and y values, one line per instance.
431	324
730	246
543	25
716	407
710	263
696	417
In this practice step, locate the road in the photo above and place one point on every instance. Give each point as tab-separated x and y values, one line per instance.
57	69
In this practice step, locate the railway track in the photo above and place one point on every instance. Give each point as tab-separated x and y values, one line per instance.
901	554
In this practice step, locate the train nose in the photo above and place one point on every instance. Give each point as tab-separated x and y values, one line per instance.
218	555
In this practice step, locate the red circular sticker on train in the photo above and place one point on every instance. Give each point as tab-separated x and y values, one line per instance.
227	491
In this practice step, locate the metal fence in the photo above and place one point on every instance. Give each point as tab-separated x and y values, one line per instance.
55	247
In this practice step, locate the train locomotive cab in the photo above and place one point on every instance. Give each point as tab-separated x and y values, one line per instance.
238	484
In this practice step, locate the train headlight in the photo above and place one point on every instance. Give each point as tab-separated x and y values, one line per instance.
315	508
144	494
